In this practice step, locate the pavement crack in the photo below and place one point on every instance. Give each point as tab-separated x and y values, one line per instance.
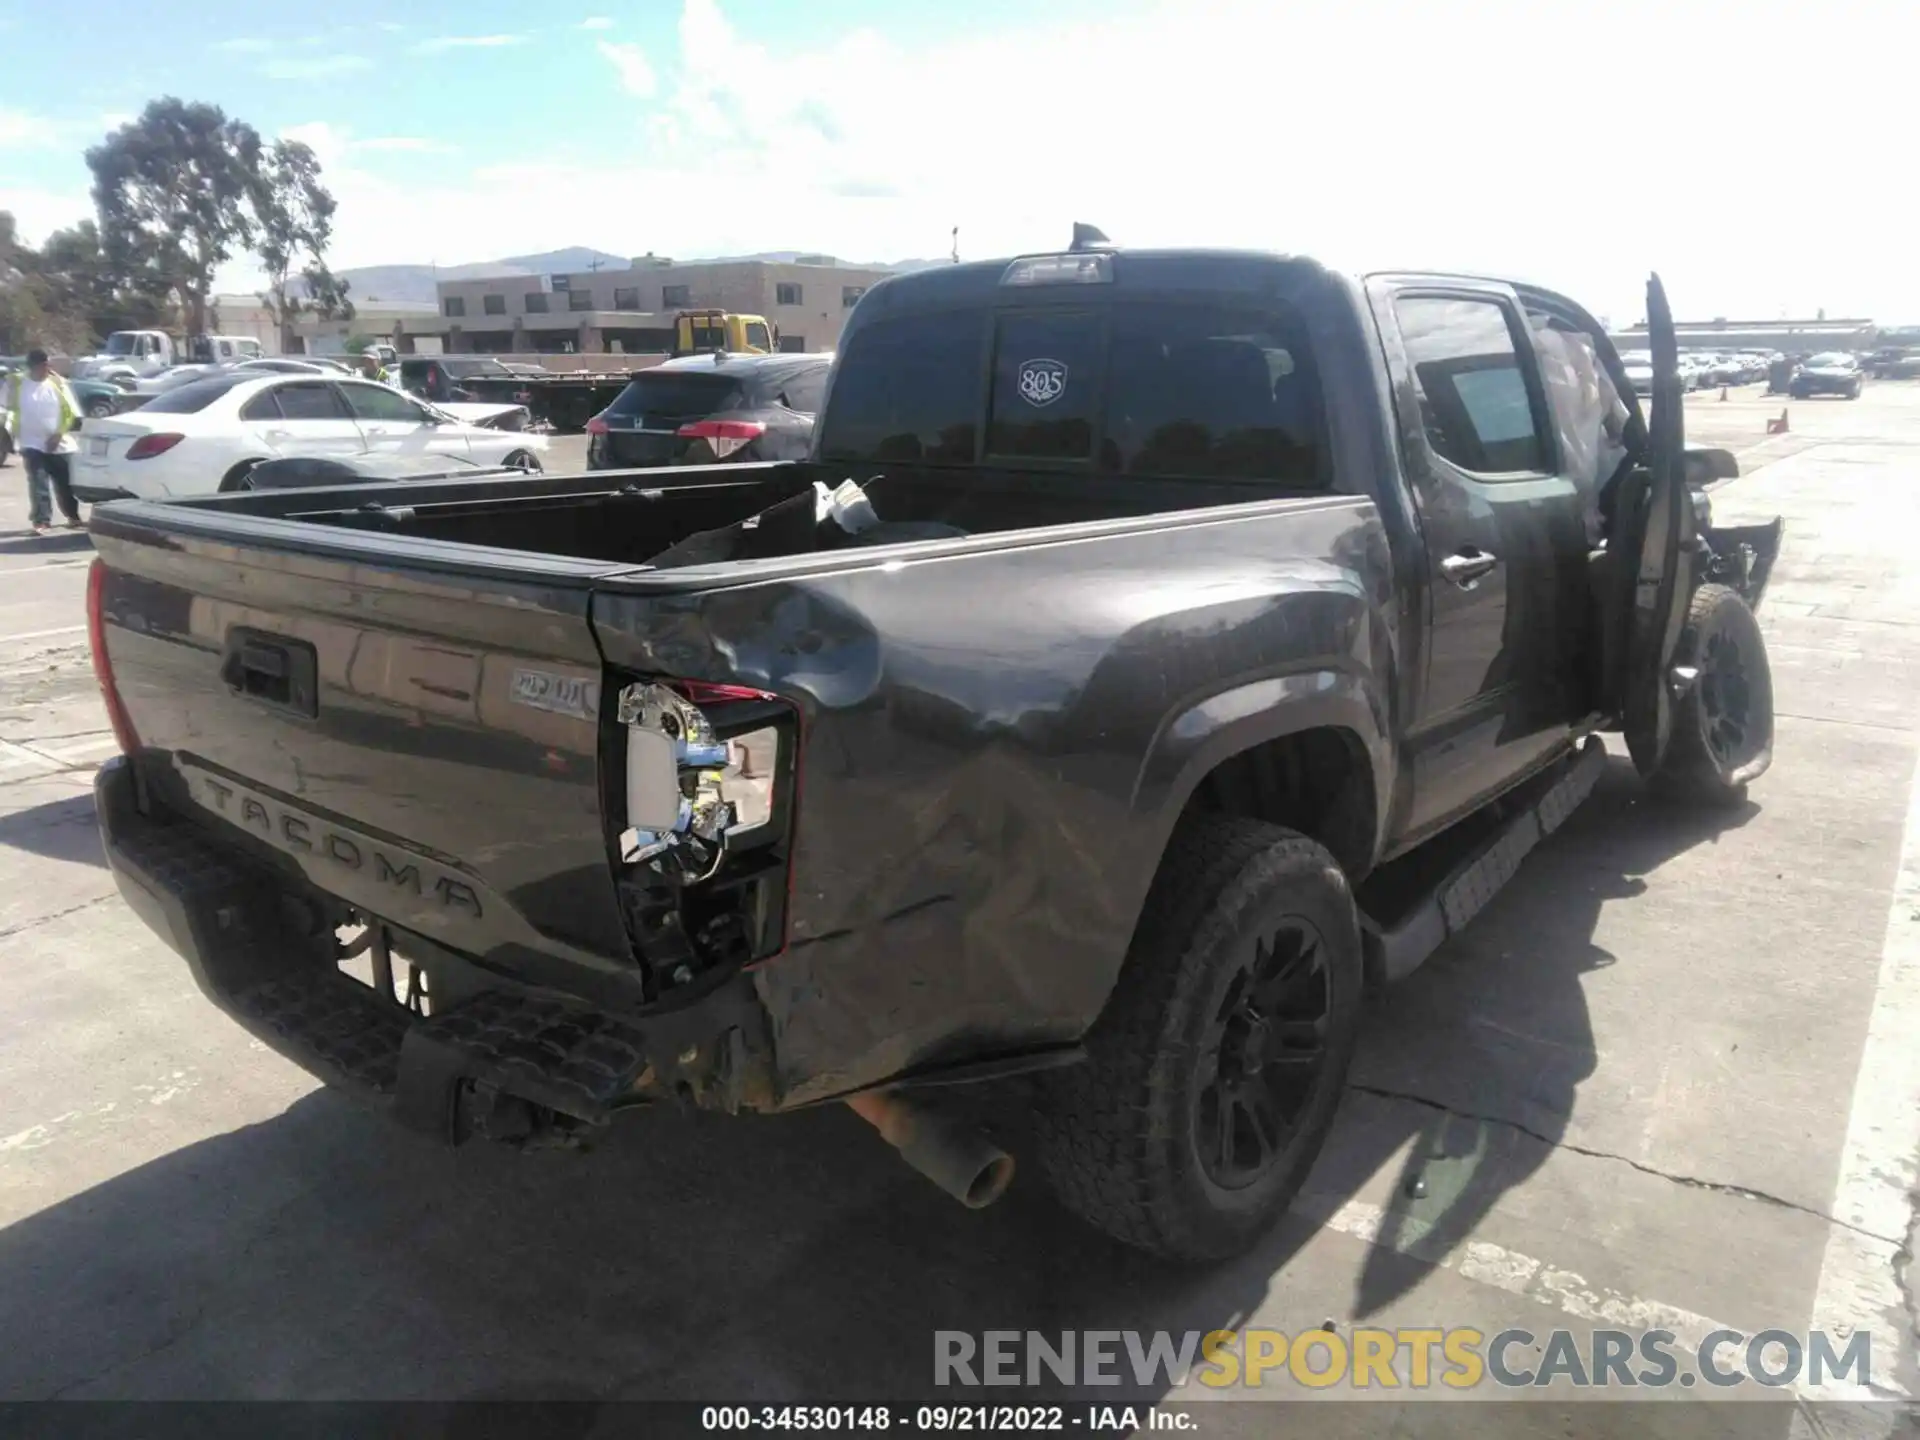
40	920
1690	1182
158	1347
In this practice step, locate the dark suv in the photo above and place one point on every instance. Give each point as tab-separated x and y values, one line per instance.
706	409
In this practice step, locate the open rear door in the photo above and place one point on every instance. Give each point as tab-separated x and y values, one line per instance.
1653	580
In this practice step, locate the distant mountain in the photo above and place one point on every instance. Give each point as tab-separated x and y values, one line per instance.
415	282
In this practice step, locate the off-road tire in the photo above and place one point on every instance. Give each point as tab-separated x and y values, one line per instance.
1701	765
1117	1134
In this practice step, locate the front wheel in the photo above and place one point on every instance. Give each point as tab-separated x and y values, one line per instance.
523	460
1723	725
99	408
1853	391
1212	1077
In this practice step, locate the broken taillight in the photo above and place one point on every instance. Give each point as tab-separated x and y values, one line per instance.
123	731
705	823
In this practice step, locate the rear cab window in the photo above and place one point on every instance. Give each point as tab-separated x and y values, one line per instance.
1163	390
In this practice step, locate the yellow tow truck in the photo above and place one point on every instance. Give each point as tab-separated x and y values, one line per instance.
697	332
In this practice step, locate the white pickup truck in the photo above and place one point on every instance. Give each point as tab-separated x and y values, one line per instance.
137	354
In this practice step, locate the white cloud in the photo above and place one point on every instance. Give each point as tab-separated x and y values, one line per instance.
38	213
18	127
244	45
630	64
114	119
596	22
1459	145
314	67
468	42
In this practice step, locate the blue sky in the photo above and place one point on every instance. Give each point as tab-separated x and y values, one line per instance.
1577	143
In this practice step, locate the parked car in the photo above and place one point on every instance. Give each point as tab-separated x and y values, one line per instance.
1135	613
1834	373
707	409
207	436
1638	367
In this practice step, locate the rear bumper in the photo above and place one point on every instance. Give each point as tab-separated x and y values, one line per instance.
507	1062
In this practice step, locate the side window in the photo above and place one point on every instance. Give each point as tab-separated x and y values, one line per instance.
261	407
1046	385
806	390
379	402
1216	392
757	337
309	400
1586	409
1475	404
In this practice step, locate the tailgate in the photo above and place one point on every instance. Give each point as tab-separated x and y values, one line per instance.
414	725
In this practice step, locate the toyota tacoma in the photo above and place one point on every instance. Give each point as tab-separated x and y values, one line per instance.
1156	650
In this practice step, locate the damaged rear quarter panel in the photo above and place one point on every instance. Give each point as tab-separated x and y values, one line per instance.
997	739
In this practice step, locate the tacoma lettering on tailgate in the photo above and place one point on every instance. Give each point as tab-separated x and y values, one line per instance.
345	861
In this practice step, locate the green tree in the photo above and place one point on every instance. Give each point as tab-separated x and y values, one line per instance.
172	191
293	215
81	282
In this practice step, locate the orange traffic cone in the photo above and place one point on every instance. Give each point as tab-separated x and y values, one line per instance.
1778	427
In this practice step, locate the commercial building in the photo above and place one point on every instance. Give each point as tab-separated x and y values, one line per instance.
245	315
632	310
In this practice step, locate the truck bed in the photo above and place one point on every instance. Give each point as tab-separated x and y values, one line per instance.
632	518
402	697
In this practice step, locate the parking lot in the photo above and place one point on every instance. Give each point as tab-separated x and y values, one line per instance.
1669	1078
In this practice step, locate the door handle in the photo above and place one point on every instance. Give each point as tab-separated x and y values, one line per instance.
1468	567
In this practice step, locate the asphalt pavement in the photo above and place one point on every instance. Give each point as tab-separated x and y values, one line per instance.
1669	1078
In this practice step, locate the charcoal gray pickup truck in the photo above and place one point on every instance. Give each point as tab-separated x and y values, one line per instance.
1158	650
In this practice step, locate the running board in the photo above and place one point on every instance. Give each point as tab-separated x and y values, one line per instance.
1538	809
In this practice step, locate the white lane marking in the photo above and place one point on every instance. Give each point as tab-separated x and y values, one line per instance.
1880	1166
1526	1277
42	634
169	1088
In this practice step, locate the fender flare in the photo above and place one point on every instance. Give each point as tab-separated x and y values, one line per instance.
1191	742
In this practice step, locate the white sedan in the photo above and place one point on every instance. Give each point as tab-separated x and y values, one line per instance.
205	437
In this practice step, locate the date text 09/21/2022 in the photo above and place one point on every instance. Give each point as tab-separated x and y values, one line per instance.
942	1419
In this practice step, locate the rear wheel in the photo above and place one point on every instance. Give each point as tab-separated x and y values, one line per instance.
523	460
99	408
1213	1075
1723	726
239	478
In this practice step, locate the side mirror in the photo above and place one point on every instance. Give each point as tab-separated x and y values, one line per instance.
1706	466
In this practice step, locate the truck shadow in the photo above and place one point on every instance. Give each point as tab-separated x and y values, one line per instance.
322	1253
1469	1071
65	829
